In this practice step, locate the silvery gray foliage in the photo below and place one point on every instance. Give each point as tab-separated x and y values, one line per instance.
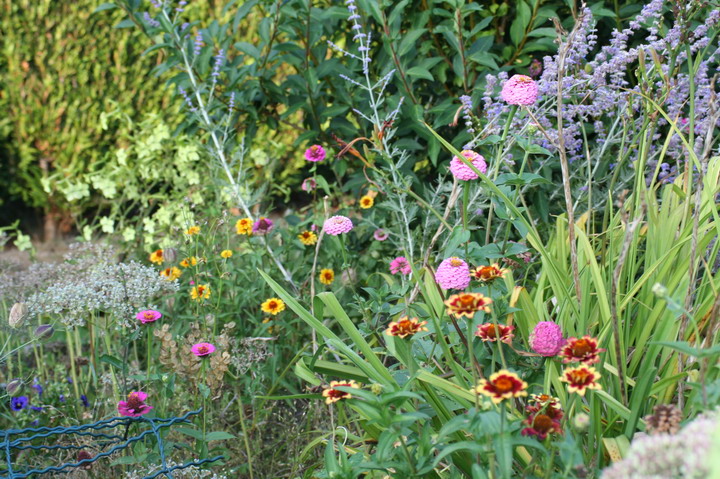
90	280
686	454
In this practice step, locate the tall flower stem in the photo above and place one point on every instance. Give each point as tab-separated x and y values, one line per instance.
496	166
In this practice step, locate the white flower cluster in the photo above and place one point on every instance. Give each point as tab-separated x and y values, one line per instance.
192	472
686	454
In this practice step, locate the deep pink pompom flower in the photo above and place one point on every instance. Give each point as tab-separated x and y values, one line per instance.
380	235
453	273
315	153
202	349
400	265
262	226
463	172
135	405
148	316
520	90
546	339
336	225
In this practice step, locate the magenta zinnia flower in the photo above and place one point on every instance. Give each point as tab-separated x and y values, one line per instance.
453	273
262	226
380	234
400	265
336	225
202	349
520	90
135	405
546	339
463	172
315	153
148	316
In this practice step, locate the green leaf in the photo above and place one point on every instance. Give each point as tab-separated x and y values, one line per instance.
105	6
520	24
112	361
242	13
194	433
420	72
409	40
218	436
127	23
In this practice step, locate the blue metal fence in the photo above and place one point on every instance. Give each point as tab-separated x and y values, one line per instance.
102	432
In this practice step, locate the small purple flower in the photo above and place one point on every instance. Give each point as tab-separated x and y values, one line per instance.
219	60
315	153
535	68
262	226
198	43
19	403
84	400
36	408
62	398
37	387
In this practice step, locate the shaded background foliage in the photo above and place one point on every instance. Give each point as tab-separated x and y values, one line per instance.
64	64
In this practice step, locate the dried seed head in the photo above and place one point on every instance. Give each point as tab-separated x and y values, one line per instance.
14	387
170	255
44	331
665	419
18	313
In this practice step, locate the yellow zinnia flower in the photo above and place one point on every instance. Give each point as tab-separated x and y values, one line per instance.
193	230
308	238
273	306
157	256
200	292
366	202
171	273
244	226
226	253
187	262
327	276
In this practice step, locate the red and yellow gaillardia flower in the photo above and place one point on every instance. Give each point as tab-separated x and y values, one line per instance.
405	327
171	273
244	226
327	276
366	202
157	256
543	418
491	332
332	395
273	306
308	238
580	379
226	253
502	385
200	292
467	304
193	230
583	350
187	262
486	274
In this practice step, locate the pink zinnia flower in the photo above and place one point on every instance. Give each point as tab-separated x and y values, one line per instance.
202	349
520	90
315	153
308	184
336	225
262	226
148	316
546	339
453	273
380	235
463	172
400	265
135	405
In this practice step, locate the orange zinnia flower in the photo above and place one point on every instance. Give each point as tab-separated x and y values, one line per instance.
580	379
490	332
405	327
584	350
467	304
488	273
332	395
502	385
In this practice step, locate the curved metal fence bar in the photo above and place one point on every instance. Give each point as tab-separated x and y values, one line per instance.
118	443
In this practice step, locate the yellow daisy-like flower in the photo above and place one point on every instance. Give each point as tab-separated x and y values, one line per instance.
273	306
366	202
308	238
157	257
226	253
200	292
171	273
187	262
193	230
327	276
244	226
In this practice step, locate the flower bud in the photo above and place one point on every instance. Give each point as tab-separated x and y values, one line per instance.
18	313
376	388
14	387
581	421
170	255
44	331
659	290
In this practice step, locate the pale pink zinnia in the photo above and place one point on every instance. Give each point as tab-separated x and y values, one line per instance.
520	90
546	339
148	316
308	184
400	265
315	153
202	349
453	273
135	405
463	172
380	235
336	225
